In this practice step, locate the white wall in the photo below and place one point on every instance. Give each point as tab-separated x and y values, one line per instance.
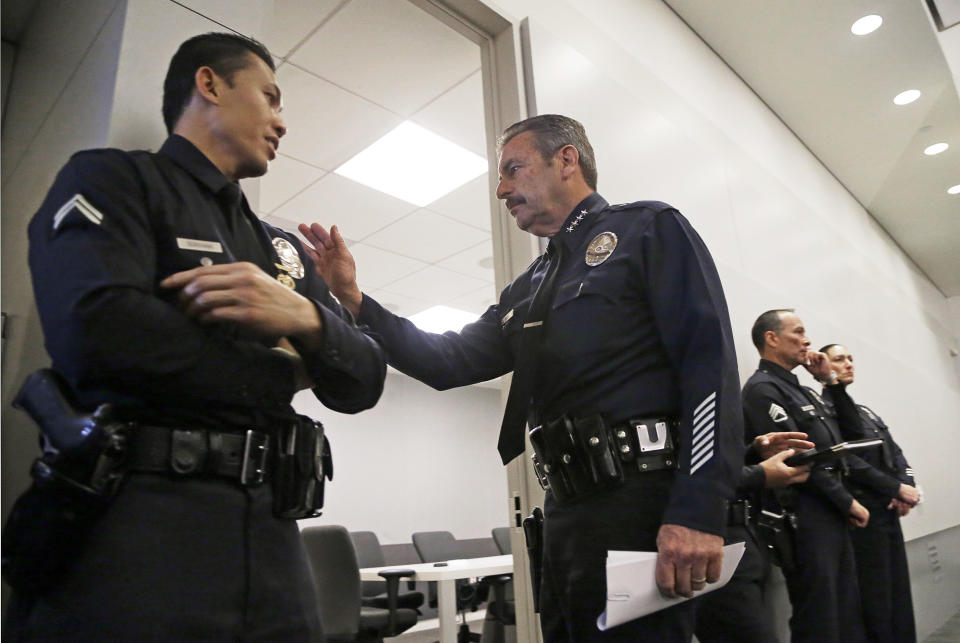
669	121
421	460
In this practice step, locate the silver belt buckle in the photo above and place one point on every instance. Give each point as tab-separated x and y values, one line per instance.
255	450
657	442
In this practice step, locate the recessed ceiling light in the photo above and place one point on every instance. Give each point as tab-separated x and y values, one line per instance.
439	319
866	24
954	190
907	97
413	164
936	148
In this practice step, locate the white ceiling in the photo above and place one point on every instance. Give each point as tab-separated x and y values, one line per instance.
350	72
835	91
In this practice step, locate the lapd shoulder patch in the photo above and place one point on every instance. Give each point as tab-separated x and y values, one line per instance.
79	205
776	412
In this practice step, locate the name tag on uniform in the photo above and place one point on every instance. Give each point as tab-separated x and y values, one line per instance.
808	407
506	318
199	245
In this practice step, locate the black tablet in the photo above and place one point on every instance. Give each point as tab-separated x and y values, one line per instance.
830	454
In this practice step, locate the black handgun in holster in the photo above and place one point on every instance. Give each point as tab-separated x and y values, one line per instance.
74	480
777	532
302	463
533	532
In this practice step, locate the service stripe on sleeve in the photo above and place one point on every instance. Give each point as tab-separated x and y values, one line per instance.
701	446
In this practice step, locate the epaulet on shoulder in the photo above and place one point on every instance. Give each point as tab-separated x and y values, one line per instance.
107	154
655	207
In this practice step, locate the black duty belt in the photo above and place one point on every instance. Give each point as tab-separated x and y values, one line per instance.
240	456
738	513
575	457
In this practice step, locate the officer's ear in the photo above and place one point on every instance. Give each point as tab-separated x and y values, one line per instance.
569	159
208	84
771	338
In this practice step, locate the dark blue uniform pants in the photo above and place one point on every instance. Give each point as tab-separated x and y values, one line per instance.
884	579
737	613
577	536
823	588
180	560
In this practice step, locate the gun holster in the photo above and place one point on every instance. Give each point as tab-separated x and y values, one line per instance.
302	463
533	533
777	533
74	481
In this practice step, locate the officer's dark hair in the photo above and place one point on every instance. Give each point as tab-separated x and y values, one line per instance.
225	53
552	132
827	347
769	320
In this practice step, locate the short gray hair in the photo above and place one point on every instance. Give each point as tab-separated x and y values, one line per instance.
551	132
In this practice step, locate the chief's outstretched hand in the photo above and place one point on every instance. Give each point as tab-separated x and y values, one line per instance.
335	263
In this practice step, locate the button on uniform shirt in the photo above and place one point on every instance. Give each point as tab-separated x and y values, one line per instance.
774	400
637	327
112	227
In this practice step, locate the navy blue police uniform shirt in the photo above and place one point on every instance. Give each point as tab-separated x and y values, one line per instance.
774	400
643	333
113	226
888	458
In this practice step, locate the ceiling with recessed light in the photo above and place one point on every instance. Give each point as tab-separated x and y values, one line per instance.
353	70
835	91
352	73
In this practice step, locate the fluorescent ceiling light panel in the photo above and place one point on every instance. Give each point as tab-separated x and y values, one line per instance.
413	164
439	319
936	148
954	190
865	25
907	97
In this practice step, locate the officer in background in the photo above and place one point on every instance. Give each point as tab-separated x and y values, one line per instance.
878	548
737	612
822	585
160	292
619	340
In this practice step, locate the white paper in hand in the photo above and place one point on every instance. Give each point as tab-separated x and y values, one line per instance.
632	585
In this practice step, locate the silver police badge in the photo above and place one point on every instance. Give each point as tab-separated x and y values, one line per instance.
288	257
600	248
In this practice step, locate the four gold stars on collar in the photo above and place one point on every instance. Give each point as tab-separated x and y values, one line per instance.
576	222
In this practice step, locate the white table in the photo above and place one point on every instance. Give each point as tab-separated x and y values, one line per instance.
445	577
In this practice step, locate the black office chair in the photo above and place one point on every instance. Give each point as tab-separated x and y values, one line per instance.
336	573
374	592
501	536
501	611
439	546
